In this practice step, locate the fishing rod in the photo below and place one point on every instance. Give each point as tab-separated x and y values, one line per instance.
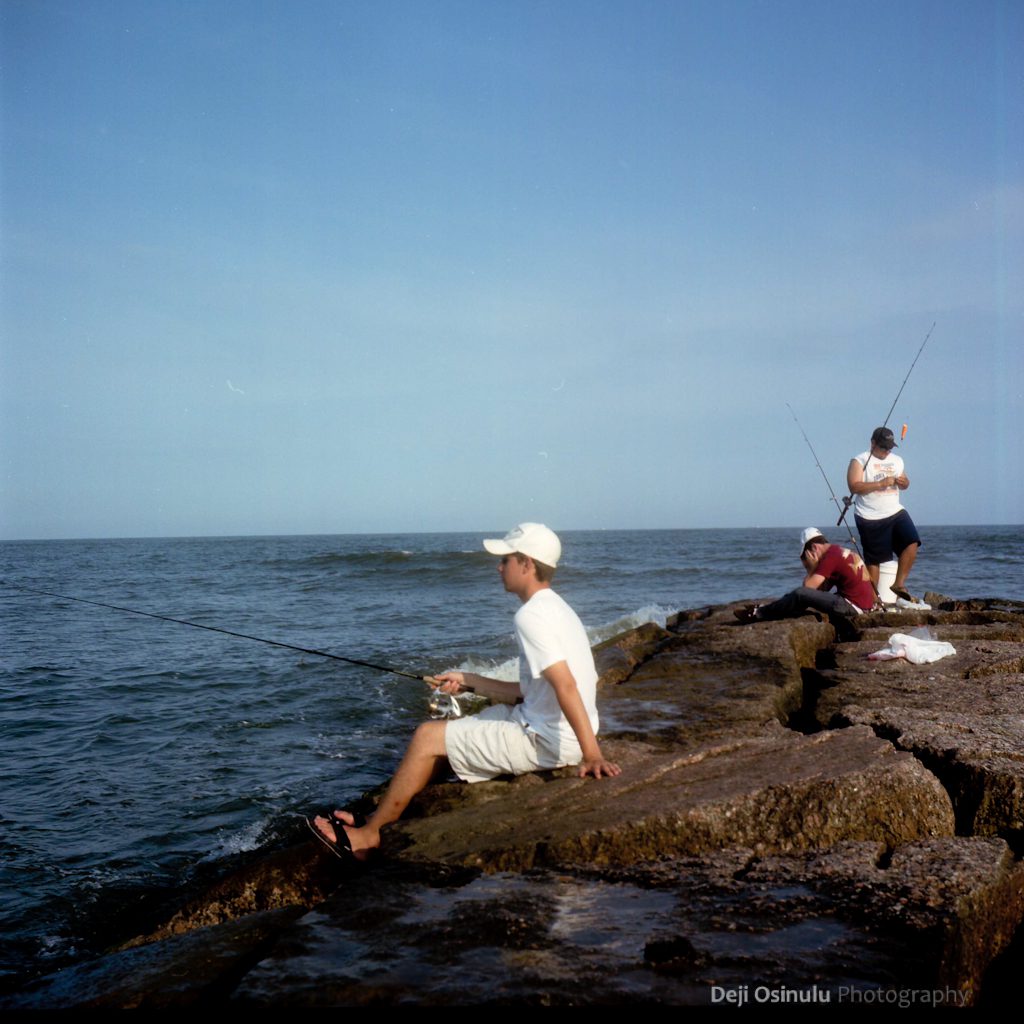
909	372
429	680
817	462
827	484
848	500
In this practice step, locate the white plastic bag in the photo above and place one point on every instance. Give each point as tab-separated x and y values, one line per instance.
915	649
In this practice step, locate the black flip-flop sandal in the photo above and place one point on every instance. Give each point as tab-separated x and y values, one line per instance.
340	845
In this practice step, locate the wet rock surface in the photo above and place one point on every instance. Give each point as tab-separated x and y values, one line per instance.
196	967
961	717
794	824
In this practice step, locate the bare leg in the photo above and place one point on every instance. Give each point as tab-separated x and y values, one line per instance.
873	573
905	564
424	757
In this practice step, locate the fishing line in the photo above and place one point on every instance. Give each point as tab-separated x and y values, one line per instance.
430	680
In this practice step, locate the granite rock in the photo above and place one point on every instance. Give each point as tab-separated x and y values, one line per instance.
961	717
775	791
784	823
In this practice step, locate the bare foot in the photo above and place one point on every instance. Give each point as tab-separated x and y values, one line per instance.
362	840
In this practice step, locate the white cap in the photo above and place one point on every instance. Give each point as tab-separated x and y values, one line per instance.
808	535
530	539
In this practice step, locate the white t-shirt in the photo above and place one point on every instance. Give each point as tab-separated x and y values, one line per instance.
549	631
879	504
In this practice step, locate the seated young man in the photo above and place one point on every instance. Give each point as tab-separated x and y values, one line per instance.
546	720
827	565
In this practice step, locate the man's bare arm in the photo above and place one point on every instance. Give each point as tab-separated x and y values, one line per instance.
501	690
569	700
858	485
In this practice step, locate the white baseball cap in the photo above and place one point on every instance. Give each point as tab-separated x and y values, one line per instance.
809	534
532	539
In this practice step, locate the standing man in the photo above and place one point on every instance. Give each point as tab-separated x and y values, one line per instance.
546	720
875	479
827	565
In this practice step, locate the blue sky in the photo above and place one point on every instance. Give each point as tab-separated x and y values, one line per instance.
290	267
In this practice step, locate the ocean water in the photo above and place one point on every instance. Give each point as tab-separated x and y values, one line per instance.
135	751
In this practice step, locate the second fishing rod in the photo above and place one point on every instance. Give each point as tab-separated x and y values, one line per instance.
848	500
828	484
853	540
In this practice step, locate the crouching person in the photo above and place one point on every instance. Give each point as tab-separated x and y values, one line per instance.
828	566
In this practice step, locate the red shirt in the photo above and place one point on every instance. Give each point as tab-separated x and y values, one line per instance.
845	571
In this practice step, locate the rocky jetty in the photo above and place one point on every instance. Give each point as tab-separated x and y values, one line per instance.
794	823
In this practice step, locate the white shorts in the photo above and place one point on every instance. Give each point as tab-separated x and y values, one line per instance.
481	747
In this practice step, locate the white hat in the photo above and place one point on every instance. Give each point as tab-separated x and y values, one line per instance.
811	533
530	539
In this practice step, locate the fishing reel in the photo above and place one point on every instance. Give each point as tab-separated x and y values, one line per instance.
847	502
444	705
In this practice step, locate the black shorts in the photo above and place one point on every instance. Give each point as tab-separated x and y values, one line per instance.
881	538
